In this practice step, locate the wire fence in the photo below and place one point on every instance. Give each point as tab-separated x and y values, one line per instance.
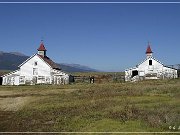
99	78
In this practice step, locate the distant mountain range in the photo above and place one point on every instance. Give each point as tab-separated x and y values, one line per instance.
11	61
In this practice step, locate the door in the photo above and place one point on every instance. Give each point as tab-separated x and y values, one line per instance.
1	79
134	73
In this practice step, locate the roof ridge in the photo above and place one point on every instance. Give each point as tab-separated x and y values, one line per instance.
50	62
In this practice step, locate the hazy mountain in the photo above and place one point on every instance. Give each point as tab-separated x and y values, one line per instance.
77	67
17	53
11	61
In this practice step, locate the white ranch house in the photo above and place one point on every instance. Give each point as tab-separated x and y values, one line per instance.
38	69
150	68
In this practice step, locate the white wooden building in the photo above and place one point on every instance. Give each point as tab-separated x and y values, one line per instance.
38	69
150	68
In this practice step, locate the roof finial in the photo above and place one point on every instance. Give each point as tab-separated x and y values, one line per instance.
42	39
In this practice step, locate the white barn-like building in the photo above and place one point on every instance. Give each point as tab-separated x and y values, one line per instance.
38	69
150	68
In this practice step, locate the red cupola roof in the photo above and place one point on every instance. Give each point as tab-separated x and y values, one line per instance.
149	49
41	47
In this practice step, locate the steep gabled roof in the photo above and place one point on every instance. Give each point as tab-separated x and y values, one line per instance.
148	50
150	58
27	60
41	47
45	59
50	62
10	73
144	61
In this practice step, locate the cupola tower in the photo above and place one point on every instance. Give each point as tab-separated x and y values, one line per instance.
42	50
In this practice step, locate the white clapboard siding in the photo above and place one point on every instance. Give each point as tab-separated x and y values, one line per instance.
37	69
150	68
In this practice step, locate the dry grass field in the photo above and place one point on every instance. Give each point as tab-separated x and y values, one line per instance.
147	106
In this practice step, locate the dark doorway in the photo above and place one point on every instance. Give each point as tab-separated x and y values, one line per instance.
178	72
71	79
134	73
1	80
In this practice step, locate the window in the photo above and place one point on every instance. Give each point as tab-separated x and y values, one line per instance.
150	62
35	71
41	79
35	63
22	80
47	79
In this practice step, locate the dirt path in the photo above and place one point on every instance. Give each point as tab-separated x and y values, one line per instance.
13	104
15	100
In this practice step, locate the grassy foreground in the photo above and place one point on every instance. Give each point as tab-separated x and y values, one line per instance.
143	106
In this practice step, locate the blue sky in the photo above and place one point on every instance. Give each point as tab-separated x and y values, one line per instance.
108	37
